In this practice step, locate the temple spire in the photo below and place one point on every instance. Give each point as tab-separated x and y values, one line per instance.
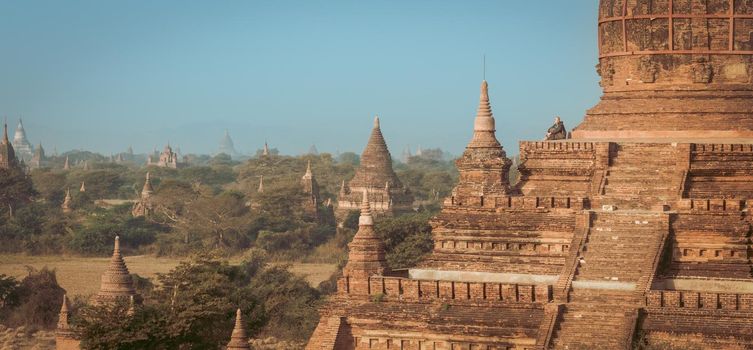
5	133
239	337
63	315
116	281
67	165
376	122
484	124
67	202
261	184
147	191
83	187
308	170
365	219
366	252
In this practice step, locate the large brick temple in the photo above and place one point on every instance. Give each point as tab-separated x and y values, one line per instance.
635	230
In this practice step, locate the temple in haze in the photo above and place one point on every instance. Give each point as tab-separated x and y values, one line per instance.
227	146
376	176
636	230
166	159
24	148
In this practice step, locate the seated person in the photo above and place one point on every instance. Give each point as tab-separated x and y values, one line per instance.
557	131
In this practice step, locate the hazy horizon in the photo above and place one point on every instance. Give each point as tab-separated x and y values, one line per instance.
106	76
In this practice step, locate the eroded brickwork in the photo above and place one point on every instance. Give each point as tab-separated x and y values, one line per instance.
638	228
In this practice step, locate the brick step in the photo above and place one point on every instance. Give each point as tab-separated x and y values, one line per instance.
607	274
639	193
622	301
622	233
618	163
633	203
597	261
614	245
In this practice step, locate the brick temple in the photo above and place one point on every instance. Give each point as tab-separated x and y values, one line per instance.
636	229
375	175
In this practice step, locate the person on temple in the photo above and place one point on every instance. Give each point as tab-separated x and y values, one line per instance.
557	131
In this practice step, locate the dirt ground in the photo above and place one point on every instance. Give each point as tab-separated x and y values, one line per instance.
81	275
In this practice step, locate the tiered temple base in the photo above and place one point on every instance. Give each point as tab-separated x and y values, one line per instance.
603	244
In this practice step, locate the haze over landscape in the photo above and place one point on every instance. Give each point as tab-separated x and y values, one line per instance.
103	76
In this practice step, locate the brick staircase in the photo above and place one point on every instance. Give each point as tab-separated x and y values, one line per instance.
619	257
592	324
640	176
325	335
620	246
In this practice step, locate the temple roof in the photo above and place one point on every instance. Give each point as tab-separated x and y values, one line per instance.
376	163
239	337
148	189
116	281
226	145
484	124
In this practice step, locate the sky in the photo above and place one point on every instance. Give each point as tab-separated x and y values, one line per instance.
105	75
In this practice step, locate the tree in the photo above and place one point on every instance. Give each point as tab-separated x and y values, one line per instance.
35	302
16	189
194	304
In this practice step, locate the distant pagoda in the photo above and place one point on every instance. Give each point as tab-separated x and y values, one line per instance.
24	149
376	176
227	146
144	207
311	199
167	159
39	159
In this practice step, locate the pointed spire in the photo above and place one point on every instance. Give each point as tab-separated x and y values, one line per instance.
5	133
261	184
365	219
484	124
116	280
147	191
83	186
366	252
265	152
67	202
239	337
376	163
343	189
67	165
308	173
63	315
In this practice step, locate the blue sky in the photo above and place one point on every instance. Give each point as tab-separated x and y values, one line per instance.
103	75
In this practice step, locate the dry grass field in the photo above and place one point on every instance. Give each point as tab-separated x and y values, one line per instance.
81	276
